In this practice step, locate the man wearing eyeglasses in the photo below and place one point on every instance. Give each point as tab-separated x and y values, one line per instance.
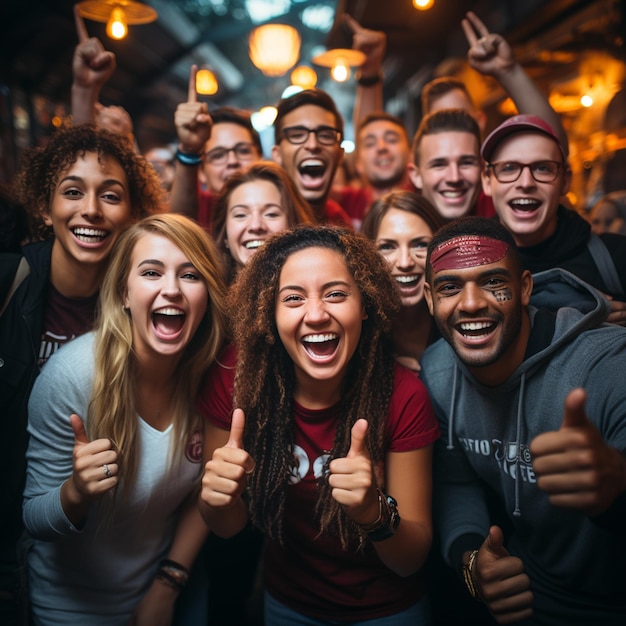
212	147
526	173
308	132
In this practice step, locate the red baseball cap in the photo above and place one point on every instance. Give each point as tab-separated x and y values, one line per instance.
518	124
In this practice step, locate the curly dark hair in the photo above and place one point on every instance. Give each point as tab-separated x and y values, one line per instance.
265	377
42	168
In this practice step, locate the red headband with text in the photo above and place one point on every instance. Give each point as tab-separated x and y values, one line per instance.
467	251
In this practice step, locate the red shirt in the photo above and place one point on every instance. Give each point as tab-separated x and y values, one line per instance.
64	319
336	215
206	208
312	574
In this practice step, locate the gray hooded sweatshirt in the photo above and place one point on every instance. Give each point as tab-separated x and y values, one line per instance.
576	564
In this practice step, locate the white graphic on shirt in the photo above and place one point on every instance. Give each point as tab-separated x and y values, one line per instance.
505	454
303	463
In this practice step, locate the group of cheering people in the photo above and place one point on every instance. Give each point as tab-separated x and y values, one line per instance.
415	425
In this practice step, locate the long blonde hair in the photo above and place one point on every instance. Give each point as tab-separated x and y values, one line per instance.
112	412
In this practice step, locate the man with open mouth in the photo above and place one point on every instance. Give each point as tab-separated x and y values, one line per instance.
530	486
526	173
308	133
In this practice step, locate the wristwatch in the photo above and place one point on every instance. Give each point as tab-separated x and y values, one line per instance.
388	519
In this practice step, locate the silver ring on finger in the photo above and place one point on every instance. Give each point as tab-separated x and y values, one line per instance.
106	470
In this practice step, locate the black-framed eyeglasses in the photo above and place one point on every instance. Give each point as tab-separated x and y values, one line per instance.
325	135
541	171
218	156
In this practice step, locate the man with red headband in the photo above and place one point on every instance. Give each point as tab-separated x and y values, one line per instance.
530	497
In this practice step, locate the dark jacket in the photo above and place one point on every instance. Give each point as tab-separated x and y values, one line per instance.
20	335
567	249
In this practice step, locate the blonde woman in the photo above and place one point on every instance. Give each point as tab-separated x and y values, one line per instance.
115	442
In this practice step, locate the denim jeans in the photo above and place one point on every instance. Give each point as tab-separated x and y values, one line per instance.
277	614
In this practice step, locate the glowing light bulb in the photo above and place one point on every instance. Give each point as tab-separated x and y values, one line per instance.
304	77
206	83
586	100
423	5
340	71
117	28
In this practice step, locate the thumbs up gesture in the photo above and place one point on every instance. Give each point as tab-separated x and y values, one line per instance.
225	475
351	478
192	120
574	465
503	585
95	463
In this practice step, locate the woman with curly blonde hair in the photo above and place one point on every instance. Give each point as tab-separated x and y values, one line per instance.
115	448
326	426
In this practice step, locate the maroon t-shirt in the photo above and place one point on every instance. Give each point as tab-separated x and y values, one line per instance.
312	574
336	215
206	208
64	319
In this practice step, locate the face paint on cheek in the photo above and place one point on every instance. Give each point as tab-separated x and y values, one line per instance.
503	295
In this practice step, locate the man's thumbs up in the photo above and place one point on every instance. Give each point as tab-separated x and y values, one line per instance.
574	415
501	581
574	465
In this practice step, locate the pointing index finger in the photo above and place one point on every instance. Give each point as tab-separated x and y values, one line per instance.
353	25
192	95
81	29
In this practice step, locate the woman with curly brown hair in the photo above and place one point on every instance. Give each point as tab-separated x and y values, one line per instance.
80	191
326	427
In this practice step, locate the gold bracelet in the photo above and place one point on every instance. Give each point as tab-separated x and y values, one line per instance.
469	577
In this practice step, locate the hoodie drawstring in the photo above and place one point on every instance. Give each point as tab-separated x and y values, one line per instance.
450	445
518	442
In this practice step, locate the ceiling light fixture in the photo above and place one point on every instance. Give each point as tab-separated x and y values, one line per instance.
117	14
274	48
206	82
423	5
304	76
340	60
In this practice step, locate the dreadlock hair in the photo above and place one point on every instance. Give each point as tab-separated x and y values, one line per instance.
265	376
42	169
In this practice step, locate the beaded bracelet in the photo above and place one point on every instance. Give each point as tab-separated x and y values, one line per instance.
173	574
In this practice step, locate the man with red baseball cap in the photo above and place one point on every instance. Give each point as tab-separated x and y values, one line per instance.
526	173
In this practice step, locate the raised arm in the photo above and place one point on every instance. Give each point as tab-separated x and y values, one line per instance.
92	66
369	91
491	54
224	480
193	127
355	488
